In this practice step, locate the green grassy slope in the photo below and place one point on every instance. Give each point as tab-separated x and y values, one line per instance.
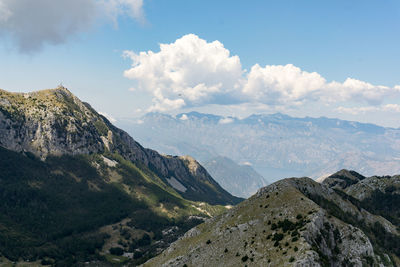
54	208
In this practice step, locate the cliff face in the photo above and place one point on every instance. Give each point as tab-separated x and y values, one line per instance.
48	122
293	222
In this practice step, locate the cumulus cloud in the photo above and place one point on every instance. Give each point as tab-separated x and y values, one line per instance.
363	110
225	120
356	110
392	107
33	24
359	91
289	85
108	117
193	72
188	72
282	84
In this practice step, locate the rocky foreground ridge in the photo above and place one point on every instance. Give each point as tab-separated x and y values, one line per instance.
297	222
55	122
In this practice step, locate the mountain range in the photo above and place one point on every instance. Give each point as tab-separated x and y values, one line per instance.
275	145
75	188
239	180
77	191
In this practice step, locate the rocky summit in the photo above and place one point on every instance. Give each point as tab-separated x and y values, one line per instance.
293	222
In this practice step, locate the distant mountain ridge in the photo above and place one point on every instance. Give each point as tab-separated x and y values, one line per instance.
239	180
276	145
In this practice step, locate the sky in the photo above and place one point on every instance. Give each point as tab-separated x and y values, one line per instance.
234	58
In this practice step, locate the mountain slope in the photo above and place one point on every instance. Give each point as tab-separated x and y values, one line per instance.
377	194
239	180
293	222
73	186
55	122
276	145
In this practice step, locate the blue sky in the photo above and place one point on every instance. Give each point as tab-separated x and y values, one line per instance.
335	39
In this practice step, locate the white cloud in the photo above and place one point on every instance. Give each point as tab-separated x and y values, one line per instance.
289	85
131	8
363	110
392	107
5	12
189	70
108	117
356	110
193	72
225	120
184	117
359	91
281	84
165	104
33	24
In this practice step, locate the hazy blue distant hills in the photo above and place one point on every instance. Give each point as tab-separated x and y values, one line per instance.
239	180
276	145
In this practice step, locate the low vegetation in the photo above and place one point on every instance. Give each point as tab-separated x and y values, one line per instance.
51	210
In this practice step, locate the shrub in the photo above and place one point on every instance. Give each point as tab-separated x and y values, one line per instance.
145	240
116	251
137	254
277	237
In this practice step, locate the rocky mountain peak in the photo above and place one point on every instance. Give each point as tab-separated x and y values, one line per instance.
343	179
191	163
50	122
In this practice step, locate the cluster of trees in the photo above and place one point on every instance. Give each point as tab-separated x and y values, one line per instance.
48	213
385	204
